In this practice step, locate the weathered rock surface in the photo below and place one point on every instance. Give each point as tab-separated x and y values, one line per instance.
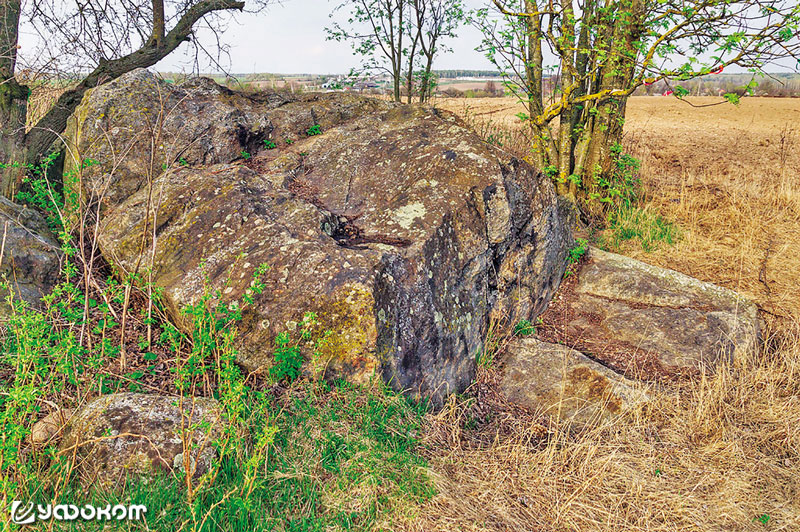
648	320
137	434
47	429
195	123
30	253
564	383
397	225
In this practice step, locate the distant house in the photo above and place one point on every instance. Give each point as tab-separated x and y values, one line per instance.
333	84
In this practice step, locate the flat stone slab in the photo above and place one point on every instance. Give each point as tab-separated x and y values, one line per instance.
565	383
648	321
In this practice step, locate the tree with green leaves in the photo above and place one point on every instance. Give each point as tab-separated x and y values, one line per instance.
83	44
391	35
377	30
434	20
600	51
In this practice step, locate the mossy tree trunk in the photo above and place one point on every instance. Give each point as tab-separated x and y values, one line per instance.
601	51
13	100
575	143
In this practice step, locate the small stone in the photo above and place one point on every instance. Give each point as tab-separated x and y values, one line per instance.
31	254
136	434
49	427
179	465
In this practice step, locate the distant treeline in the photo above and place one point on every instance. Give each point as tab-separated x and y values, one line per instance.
773	85
466	74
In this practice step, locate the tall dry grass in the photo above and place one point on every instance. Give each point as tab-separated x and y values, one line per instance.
737	202
717	454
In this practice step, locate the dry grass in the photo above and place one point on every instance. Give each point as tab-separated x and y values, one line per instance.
731	179
42	99
719	454
728	176
714	456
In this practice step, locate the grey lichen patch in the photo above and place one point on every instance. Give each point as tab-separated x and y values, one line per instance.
406	215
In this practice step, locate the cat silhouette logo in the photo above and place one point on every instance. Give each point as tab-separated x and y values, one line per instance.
22	515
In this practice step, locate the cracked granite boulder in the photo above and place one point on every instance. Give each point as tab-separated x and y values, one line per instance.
397	225
123	434
648	321
31	255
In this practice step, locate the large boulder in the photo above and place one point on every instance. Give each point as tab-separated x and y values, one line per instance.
138	124
565	384
140	434
397	226
648	321
30	256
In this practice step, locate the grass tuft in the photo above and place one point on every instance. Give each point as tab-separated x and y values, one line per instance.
642	226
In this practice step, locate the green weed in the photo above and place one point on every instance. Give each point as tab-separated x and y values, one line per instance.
575	254
638	224
343	457
524	328
620	187
315	457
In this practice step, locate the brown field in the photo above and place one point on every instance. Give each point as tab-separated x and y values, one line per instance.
719	454
728	176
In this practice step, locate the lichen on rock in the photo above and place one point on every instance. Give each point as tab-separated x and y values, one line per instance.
123	434
397	225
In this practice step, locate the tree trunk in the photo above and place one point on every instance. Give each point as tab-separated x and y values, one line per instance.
427	88
12	139
13	102
15	144
411	61
602	121
396	75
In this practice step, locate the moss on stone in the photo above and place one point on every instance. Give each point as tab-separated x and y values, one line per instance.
349	316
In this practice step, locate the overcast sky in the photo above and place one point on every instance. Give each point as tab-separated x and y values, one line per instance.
290	38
